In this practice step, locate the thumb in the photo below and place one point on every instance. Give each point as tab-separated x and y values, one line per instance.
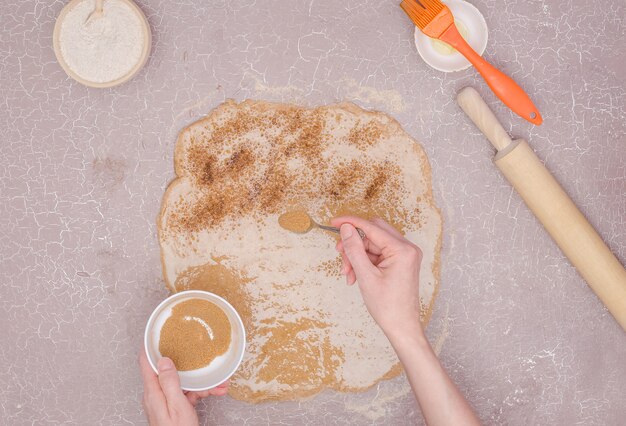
355	250
170	382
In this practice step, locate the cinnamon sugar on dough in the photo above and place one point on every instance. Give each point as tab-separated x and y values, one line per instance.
237	171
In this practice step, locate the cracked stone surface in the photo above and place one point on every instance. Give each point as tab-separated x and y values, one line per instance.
82	173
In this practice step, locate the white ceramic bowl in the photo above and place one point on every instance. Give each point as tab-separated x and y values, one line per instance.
145	53
222	367
473	21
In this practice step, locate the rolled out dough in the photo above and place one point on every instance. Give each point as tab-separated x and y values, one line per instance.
241	167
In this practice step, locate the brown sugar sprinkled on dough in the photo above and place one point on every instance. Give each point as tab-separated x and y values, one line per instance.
344	179
365	136
196	333
248	179
377	183
293	356
273	187
239	169
220	280
332	268
202	164
238	162
295	221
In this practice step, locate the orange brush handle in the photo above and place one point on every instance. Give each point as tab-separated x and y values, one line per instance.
502	85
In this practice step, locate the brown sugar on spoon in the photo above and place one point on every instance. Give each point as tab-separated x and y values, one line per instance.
296	221
197	332
300	222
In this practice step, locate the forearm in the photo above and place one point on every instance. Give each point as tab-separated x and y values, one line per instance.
440	400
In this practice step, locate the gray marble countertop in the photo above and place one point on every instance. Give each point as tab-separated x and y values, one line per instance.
82	173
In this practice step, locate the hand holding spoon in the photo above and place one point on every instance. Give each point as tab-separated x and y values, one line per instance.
300	222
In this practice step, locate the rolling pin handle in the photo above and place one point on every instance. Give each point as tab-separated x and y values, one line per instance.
479	112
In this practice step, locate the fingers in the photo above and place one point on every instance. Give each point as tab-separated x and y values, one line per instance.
153	399
379	237
150	380
393	231
219	391
346	269
387	227
220	388
370	247
346	266
355	251
351	277
194	397
374	258
170	384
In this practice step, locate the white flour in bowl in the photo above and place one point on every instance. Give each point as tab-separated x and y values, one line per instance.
105	49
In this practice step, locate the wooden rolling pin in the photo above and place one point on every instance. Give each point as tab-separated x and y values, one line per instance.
555	210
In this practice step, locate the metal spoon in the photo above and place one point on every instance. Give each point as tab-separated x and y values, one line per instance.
305	219
97	12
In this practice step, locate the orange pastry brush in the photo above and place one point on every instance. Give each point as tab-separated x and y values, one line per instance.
435	20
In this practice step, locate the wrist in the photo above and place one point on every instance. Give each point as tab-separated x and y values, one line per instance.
410	344
410	331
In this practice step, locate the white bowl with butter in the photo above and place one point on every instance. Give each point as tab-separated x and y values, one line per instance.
473	28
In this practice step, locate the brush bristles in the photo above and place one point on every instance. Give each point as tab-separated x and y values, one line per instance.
421	15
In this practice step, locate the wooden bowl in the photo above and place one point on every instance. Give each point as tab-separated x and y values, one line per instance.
147	35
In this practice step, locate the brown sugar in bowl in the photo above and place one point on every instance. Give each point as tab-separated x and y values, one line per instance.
220	368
